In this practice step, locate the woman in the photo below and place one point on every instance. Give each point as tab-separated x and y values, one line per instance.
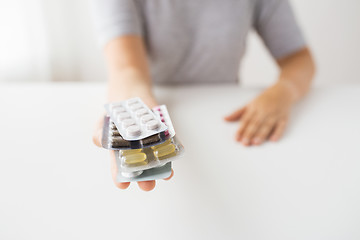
203	41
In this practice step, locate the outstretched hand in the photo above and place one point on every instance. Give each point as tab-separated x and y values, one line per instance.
144	185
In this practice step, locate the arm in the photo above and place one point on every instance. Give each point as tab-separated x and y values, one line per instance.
267	115
128	70
128	77
119	24
297	72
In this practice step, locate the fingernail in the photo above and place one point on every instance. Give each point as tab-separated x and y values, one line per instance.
245	141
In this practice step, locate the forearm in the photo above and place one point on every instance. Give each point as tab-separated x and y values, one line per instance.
128	70
128	83
297	72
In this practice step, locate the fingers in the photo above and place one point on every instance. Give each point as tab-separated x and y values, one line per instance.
113	168
235	115
97	137
122	185
263	132
98	133
150	185
147	185
245	121
279	130
250	130
255	130
172	174
144	185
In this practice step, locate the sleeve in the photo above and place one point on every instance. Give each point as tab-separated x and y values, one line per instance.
275	22
114	18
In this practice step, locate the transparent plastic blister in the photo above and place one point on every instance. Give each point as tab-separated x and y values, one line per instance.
134	120
136	160
111	138
148	155
146	175
164	116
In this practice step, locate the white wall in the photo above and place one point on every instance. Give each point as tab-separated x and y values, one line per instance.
23	46
75	54
332	28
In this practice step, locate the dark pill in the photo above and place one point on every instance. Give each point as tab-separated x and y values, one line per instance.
152	139
115	133
119	142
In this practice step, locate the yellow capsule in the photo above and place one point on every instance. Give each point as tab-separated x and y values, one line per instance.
164	150
130	151
136	158
161	145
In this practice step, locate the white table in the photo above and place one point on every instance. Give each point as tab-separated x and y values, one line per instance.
56	185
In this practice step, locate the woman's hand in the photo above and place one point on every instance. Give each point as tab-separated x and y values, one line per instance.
145	185
129	76
266	116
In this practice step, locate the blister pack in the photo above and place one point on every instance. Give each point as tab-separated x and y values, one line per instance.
141	159
134	120
164	116
111	138
144	141
146	175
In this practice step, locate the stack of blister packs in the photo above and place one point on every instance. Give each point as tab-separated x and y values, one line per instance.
144	140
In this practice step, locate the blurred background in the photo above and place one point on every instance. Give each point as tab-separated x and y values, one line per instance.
55	41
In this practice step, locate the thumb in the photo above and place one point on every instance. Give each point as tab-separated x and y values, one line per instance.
235	115
98	133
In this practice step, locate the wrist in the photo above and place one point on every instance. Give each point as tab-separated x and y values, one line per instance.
289	89
122	88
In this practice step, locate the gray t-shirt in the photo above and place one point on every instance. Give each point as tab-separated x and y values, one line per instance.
199	41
